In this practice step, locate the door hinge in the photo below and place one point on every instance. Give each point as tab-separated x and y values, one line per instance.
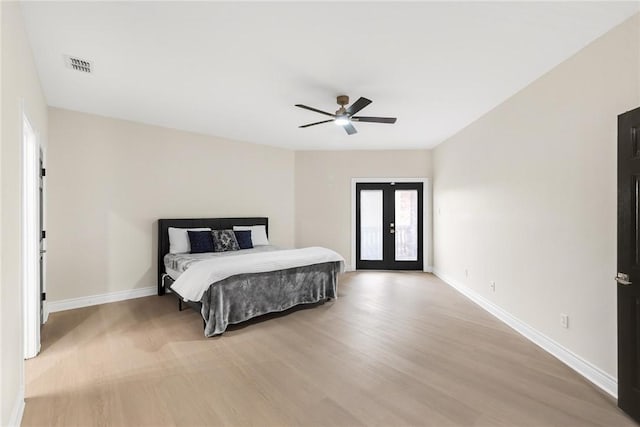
43	234
43	172
44	296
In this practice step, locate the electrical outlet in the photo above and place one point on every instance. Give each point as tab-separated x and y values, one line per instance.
493	285
466	273
564	320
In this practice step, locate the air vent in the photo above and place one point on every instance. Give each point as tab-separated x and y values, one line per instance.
78	64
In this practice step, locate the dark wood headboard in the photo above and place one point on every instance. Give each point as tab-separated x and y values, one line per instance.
213	223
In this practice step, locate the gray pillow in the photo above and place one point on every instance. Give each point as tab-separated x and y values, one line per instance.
224	240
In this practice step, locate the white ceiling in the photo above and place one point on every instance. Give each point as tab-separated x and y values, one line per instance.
235	70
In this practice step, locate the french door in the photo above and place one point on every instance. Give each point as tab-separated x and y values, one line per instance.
389	226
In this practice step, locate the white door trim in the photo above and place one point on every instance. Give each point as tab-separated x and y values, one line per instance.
426	220
30	238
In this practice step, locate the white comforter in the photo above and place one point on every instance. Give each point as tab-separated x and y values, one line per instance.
195	281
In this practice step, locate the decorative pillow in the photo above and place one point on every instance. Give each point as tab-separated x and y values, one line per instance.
224	240
200	241
244	239
179	239
258	233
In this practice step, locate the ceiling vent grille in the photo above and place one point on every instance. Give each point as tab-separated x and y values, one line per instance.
78	64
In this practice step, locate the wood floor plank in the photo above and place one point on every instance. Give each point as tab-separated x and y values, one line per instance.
395	348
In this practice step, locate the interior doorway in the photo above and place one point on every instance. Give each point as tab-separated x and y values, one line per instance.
32	237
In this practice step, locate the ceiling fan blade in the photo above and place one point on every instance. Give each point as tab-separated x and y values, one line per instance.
316	123
358	105
315	109
389	120
350	129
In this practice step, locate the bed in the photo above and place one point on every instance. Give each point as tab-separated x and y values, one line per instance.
232	287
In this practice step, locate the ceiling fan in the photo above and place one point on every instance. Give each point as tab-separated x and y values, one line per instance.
345	116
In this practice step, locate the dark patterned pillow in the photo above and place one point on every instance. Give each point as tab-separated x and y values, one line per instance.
201	241
224	240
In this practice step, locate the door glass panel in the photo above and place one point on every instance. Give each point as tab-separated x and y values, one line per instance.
371	225
406	225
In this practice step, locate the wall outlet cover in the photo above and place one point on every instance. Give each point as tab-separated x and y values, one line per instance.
564	320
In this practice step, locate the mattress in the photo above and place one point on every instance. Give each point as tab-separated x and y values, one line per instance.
199	276
176	264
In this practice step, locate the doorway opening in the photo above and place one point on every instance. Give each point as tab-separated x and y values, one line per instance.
32	251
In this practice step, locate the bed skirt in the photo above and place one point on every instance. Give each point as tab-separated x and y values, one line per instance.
245	296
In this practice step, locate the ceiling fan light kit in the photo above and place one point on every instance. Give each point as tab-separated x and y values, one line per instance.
341	120
345	116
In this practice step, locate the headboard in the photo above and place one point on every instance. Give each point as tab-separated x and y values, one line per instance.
213	223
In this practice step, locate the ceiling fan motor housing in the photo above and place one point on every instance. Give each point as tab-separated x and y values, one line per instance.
343	100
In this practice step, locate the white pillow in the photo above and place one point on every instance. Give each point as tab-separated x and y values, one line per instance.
258	233
179	239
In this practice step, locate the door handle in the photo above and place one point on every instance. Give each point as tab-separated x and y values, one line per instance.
43	251
623	279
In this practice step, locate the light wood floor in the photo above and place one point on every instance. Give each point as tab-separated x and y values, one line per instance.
394	349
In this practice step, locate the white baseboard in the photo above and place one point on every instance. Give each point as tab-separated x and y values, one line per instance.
348	268
597	376
15	418
70	304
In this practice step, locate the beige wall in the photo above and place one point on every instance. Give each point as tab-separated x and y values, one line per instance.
19	83
526	196
323	190
110	180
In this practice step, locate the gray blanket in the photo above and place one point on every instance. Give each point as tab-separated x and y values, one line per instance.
245	296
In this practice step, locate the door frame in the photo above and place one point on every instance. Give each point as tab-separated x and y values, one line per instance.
30	232
44	315
426	213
